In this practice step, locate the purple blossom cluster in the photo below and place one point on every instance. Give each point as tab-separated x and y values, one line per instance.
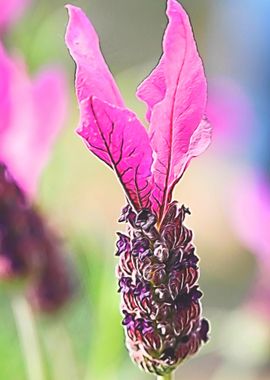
158	276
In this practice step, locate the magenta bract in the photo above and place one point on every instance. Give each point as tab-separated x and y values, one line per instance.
147	165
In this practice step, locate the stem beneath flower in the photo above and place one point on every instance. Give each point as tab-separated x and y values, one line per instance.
62	358
28	336
169	376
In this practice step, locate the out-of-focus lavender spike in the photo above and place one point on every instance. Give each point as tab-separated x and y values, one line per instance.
18	247
29	249
54	284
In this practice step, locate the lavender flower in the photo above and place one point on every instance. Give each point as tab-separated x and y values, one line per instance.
32	113
158	267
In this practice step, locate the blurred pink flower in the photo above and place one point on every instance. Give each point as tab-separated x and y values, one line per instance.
11	10
229	109
251	221
251	216
32	112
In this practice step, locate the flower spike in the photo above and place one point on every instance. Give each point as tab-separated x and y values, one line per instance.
158	267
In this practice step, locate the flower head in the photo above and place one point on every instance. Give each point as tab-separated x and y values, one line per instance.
157	251
160	299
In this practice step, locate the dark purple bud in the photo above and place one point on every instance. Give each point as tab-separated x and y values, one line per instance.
161	252
128	320
191	260
183	211
185	300
122	244
140	246
145	220
144	326
204	330
127	215
169	356
142	290
124	284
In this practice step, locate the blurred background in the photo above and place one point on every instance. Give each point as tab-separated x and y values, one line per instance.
83	200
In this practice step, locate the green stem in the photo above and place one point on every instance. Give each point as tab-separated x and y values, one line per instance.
170	376
61	355
28	336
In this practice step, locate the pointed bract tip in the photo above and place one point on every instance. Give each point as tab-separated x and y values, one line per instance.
175	9
174	5
77	19
70	8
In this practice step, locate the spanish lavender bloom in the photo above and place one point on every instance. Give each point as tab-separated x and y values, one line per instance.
158	267
31	115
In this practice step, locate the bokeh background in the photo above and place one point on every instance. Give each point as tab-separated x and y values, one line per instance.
83	199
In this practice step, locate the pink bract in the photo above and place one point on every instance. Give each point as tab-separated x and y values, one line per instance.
11	10
175	92
116	136
32	113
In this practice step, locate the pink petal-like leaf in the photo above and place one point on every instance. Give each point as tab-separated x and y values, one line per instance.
176	96
111	132
153	88
117	137
93	77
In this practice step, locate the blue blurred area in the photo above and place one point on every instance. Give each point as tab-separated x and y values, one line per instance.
242	29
